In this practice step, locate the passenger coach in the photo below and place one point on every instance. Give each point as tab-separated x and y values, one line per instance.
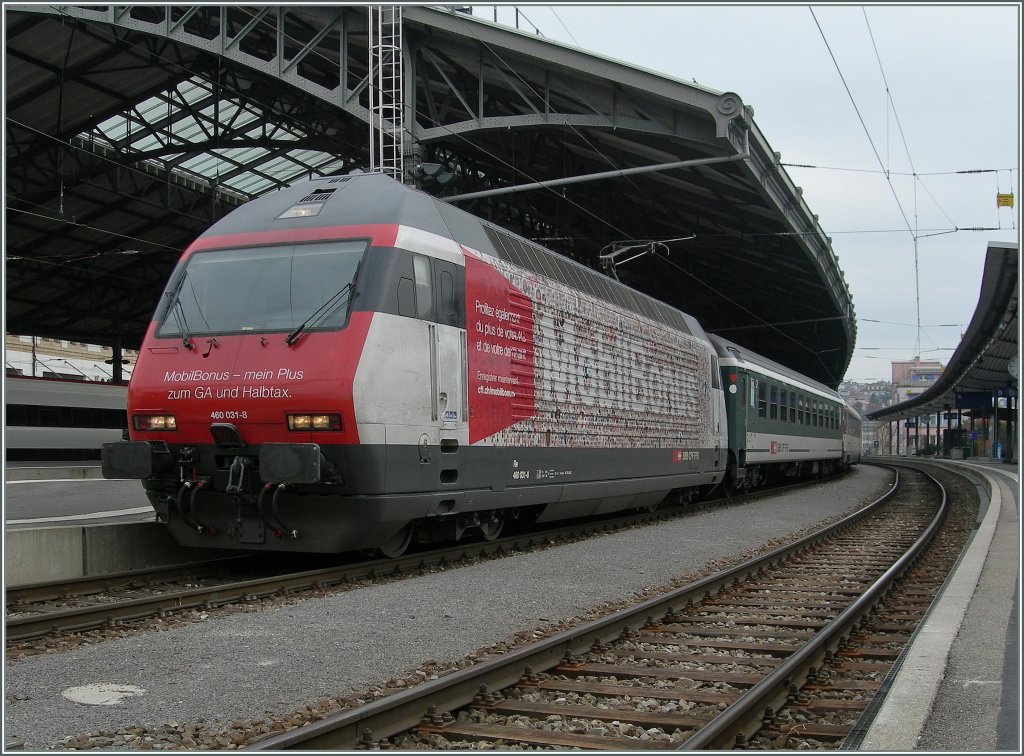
781	423
61	419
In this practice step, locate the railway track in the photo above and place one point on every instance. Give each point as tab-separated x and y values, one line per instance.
54	609
788	648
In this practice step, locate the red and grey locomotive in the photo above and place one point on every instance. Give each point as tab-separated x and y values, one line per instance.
349	363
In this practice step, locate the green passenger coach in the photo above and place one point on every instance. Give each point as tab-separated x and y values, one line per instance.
781	424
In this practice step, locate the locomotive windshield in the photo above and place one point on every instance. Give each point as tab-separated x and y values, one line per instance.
265	289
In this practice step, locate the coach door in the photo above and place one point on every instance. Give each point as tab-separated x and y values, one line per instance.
448	355
718	415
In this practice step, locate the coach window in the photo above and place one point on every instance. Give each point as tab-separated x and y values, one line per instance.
762	399
424	292
792	406
773	403
814	414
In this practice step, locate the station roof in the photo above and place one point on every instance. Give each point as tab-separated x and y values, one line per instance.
982	362
131	129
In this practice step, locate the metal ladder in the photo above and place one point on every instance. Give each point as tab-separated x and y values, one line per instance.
387	114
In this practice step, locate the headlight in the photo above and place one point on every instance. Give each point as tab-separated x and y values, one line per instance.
155	423
324	422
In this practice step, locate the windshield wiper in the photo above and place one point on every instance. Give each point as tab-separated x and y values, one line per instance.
178	311
319	314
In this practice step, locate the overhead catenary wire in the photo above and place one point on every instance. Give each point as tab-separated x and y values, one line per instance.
576	131
888	178
496	158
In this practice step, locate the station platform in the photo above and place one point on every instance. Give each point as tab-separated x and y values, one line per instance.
956	688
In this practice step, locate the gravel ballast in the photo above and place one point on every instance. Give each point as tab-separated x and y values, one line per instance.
247	665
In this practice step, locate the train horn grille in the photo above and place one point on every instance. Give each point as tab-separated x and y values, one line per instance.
226	436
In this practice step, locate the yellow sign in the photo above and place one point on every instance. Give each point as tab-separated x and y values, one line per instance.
1004	200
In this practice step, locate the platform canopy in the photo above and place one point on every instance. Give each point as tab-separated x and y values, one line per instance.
130	129
985	362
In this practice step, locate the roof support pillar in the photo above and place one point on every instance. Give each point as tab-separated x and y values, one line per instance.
947	446
115	357
1011	402
995	434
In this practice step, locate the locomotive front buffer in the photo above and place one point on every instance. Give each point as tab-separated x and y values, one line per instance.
251	480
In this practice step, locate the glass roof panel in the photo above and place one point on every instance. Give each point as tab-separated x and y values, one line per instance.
185	116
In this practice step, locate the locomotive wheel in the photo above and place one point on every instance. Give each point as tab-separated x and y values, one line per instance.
491	525
395	546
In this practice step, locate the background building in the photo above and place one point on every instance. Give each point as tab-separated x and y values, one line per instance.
53	358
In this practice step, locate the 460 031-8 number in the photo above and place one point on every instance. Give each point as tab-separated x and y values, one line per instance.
229	415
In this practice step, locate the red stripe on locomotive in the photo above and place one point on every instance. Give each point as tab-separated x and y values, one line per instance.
499	341
380	235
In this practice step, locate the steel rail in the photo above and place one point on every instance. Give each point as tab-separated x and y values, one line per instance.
743	718
405	709
32	626
50	590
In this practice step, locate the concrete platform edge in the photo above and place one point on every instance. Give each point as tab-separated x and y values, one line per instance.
902	717
37	555
53	472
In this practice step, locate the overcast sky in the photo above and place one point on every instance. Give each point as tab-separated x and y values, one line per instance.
952	74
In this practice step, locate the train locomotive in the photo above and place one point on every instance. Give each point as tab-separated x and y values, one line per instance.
349	363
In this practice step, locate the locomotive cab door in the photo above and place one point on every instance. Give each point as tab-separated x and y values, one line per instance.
448	356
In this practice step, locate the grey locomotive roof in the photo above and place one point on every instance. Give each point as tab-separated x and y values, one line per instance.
373	198
731	350
361	199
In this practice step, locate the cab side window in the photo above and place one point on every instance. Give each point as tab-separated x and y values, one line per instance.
424	287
